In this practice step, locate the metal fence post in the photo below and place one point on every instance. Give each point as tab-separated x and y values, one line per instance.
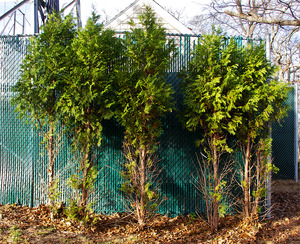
269	181
31	148
36	19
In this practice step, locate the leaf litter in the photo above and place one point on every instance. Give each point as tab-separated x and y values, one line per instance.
21	224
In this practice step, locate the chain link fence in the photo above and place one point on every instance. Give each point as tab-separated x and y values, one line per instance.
23	159
285	141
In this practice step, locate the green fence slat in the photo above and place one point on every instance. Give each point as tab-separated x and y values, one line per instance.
283	144
23	160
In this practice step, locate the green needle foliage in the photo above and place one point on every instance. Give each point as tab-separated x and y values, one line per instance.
40	87
143	98
88	97
262	102
229	90
211	92
211	87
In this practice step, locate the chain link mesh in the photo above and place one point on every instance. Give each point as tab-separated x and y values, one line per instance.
23	159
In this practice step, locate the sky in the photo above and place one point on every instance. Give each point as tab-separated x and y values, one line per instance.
113	7
189	8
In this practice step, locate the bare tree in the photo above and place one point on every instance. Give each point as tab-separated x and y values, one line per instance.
279	12
177	13
278	19
204	183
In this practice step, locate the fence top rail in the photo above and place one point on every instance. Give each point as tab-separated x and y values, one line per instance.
19	35
168	34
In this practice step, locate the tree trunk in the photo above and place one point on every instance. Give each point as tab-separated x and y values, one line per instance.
247	181
215	217
50	150
142	169
86	165
258	182
84	189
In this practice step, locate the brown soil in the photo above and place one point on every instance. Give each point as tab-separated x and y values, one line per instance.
34	225
286	186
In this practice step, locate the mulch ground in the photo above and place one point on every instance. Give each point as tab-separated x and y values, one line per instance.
21	224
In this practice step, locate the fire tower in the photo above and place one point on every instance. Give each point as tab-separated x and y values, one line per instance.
41	10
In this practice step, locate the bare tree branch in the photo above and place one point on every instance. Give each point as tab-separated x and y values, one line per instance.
255	18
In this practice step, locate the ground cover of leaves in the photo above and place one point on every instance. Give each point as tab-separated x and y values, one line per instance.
21	224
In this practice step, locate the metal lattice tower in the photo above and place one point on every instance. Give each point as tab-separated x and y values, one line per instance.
41	10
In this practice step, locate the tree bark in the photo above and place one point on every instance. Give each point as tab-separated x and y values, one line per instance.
255	18
142	169
50	150
258	182
85	190
246	185
215	217
86	165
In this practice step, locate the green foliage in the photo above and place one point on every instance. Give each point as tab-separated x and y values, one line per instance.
78	182
143	94
230	90
223	210
76	210
16	234
129	186
44	71
262	102
43	74
211	91
219	193
211	87
260	192
54	195
263	98
88	98
78	213
143	98
193	216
